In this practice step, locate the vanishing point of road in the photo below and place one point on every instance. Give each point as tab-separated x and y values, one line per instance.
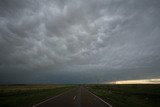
77	97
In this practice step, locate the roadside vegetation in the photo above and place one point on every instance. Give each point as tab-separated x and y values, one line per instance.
128	95
27	95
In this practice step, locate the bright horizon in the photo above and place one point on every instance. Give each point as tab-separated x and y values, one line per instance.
141	81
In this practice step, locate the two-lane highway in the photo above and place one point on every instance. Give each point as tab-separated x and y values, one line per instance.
78	97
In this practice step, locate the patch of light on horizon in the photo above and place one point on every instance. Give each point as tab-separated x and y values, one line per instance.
141	81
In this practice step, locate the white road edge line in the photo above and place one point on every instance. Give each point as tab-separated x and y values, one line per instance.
100	99
74	97
51	98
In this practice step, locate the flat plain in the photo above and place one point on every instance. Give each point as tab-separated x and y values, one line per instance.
135	95
131	95
23	95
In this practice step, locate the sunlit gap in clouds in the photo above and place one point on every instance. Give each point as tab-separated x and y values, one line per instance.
141	81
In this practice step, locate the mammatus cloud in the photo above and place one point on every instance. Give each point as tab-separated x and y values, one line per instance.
69	41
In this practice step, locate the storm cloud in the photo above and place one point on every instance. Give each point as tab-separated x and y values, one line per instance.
79	41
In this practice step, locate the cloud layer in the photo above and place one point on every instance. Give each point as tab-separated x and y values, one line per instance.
70	41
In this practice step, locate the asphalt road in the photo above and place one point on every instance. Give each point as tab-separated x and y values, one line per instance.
78	97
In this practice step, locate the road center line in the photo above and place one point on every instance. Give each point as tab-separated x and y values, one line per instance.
74	97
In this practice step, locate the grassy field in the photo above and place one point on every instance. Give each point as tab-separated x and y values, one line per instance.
128	95
27	95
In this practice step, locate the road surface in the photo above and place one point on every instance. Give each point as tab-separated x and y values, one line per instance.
78	97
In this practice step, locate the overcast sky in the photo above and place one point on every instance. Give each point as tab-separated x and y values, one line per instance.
79	41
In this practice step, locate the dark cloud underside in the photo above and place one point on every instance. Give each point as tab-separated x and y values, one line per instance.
79	41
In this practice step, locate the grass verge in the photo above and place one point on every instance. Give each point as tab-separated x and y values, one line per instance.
128	95
27	95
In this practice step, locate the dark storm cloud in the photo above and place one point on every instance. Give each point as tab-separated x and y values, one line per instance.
70	41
